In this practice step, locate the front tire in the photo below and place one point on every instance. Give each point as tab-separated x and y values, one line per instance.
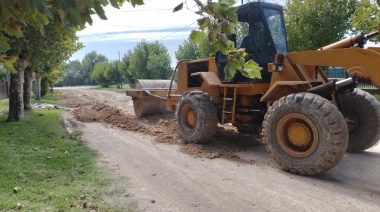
196	117
305	134
362	113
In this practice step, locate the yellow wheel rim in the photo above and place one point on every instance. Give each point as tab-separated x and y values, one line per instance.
189	117
297	135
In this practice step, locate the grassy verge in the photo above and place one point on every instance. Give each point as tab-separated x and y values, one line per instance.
114	88
55	170
377	97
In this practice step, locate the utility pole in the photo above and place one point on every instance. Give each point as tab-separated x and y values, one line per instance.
121	79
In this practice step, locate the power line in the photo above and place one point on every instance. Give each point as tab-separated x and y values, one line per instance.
132	11
177	31
148	27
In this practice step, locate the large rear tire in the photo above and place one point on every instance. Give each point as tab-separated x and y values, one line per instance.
305	134
196	117
362	113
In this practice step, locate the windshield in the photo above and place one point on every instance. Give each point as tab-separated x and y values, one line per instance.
277	29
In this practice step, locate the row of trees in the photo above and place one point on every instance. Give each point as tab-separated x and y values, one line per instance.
38	56
193	51
312	24
145	61
79	72
37	36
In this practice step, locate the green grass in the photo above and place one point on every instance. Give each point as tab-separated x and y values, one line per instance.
48	99
377	97
52	167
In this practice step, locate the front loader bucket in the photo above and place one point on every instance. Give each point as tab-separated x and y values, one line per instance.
149	97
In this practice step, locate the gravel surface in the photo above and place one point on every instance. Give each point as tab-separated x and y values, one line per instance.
233	172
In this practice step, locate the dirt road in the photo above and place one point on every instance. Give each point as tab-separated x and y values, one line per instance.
231	173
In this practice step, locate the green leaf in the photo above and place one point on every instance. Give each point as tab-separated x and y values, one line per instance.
240	56
42	18
71	3
4	45
252	70
115	3
90	3
217	11
100	11
204	22
74	17
215	47
231	46
59	18
8	63
223	39
231	68
13	29
137	2
86	17
199	3
196	36
227	2
232	15
41	6
178	7
228	27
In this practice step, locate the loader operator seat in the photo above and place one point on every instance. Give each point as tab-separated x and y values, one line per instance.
267	29
221	62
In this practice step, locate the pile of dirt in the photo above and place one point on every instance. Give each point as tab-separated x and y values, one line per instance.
98	112
73	101
226	143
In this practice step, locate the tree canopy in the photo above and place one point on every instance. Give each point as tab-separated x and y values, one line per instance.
149	61
72	74
311	24
88	63
17	14
193	51
101	72
366	17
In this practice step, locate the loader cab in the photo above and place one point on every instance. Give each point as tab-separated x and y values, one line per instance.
263	25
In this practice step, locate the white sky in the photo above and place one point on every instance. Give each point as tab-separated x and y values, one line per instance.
153	16
145	21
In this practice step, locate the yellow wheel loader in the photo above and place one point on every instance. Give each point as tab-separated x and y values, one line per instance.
308	121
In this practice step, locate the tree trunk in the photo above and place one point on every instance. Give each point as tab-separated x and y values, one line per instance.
16	90
29	77
37	90
51	88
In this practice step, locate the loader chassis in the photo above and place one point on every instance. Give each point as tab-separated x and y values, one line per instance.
307	121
